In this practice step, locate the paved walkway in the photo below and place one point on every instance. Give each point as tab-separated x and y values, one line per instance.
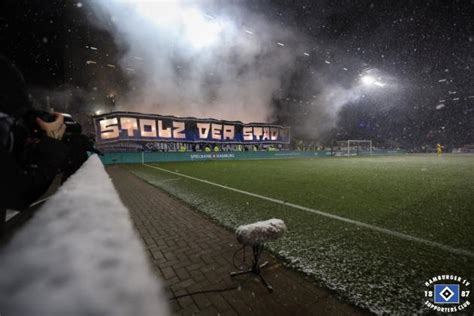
192	253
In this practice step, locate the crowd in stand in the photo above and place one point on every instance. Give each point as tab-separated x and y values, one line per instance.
211	147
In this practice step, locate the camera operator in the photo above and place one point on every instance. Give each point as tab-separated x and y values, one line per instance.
28	164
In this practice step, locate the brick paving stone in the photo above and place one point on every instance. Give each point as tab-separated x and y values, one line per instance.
167	272
190	253
209	311
186	301
174	306
190	310
218	302
201	301
156	253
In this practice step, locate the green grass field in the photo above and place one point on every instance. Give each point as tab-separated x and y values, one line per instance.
422	196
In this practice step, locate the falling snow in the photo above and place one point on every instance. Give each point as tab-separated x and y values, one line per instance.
419	64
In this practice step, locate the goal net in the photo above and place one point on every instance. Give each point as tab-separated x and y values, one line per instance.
356	147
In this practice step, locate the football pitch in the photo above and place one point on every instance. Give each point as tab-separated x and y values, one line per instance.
374	229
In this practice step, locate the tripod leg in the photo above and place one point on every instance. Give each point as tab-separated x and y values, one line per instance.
256	267
267	285
240	272
263	265
257	252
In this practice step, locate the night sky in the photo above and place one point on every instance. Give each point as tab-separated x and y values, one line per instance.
425	47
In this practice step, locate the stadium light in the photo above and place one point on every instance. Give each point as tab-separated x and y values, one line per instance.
369	80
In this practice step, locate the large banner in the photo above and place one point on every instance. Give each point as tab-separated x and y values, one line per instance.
137	127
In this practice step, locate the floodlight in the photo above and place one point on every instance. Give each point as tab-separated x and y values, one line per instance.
368	80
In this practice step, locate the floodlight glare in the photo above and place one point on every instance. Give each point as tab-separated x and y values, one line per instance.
368	80
200	32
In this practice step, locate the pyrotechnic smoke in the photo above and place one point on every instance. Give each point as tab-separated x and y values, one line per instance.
323	114
188	60
221	61
326	93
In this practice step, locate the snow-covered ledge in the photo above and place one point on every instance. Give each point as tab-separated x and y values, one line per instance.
79	255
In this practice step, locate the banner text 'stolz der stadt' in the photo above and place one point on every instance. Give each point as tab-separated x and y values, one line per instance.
136	128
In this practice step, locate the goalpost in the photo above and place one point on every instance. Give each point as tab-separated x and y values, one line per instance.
358	145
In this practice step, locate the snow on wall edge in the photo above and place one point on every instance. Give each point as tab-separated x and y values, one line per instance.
79	255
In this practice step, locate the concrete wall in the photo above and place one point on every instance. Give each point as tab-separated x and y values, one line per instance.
79	255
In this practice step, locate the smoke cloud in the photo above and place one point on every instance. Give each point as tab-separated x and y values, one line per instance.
323	115
188	60
219	60
324	92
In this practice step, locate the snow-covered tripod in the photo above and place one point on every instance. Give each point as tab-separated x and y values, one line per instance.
256	266
256	235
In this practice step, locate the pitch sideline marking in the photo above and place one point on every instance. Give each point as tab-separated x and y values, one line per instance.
171	179
332	216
